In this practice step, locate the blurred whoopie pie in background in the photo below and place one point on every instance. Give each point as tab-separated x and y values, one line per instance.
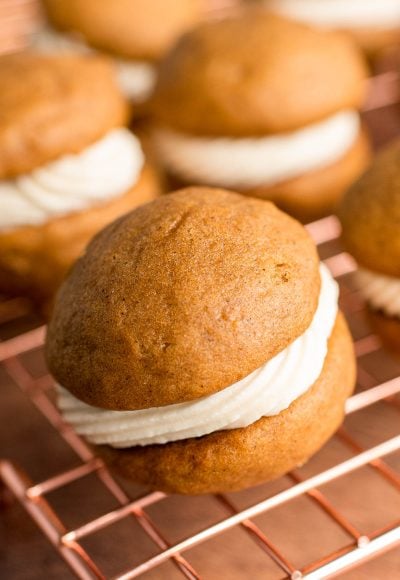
370	216
374	24
265	105
68	165
136	33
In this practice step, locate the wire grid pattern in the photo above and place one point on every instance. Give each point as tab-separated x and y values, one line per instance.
361	545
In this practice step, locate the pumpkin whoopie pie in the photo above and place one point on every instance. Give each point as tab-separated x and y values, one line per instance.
370	216
265	105
68	165
135	32
198	342
375	24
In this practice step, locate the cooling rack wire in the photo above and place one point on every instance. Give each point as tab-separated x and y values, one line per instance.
339	511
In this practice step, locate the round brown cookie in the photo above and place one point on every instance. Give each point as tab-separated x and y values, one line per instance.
232	460
370	215
257	74
35	259
387	327
138	29
182	298
54	105
316	193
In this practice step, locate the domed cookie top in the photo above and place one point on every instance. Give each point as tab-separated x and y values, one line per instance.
54	105
131	28
370	215
257	74
181	298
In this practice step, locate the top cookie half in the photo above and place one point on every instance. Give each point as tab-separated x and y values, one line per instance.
182	298
51	106
257	74
138	29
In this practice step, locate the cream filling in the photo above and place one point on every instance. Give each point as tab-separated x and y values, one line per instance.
257	161
341	13
49	41
136	78
265	392
380	291
108	168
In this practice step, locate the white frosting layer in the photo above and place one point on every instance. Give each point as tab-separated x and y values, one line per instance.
107	169
256	161
265	392
49	41
135	78
341	13
382	292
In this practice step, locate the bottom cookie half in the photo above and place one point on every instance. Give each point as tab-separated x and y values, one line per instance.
316	193
35	259
233	460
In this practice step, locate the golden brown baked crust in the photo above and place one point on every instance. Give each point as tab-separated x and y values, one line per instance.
316	193
251	75
138	29
35	259
370	214
54	105
387	327
182	298
232	460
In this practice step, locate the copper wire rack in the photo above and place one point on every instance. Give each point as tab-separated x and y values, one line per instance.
338	512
